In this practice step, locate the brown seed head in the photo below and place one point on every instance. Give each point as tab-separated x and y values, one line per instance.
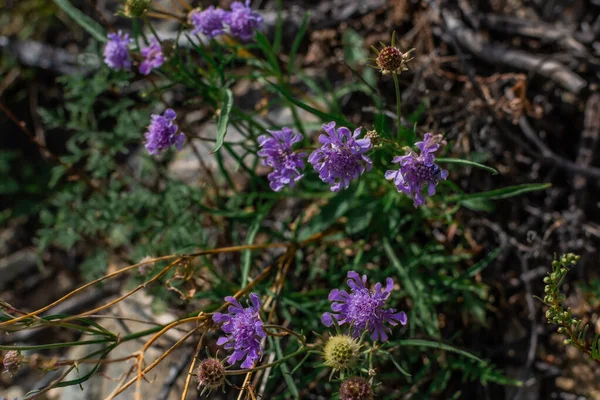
211	374
12	361
356	388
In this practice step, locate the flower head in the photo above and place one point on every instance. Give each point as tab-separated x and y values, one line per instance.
341	352
243	329
418	171
341	156
277	153
12	361
242	21
363	309
211	374
162	133
356	388
136	8
153	57
116	54
390	60
209	22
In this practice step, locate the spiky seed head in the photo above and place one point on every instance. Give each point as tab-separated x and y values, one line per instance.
341	352
137	8
211	374
374	137
356	388
12	361
390	60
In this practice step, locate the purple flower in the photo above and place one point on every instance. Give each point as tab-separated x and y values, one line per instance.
278	154
418	171
341	156
209	22
242	21
243	329
116	54
162	133
363	309
153	57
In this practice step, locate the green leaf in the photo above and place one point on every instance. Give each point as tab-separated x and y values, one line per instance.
252	231
285	371
87	23
438	345
467	163
321	114
503	193
479	205
337	207
223	122
298	41
402	370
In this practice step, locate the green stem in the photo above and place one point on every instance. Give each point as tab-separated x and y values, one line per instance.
273	364
398	105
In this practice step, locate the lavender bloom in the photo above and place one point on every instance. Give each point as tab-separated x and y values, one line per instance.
242	21
162	133
209	22
278	154
363	309
341	156
418	171
153	57
243	329
116	54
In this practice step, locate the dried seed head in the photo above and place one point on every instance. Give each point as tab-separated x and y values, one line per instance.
390	60
211	374
341	352
375	138
356	388
12	361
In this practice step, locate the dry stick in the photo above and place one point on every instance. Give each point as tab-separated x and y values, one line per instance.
68	295
119	390
53	384
154	338
188	379
137	289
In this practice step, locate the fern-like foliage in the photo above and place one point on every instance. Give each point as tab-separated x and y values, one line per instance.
569	325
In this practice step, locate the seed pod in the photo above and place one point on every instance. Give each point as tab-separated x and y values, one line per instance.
356	388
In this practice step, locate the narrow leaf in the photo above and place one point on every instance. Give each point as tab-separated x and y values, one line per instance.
87	23
467	163
223	119
503	193
438	345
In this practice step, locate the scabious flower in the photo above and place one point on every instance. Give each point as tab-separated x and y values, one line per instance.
153	57
116	54
242	21
277	153
341	353
162	133
418	171
210	22
12	361
390	60
341	156
243	329
363	309
137	8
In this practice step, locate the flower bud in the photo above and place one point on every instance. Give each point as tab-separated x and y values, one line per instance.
341	352
211	374
356	388
374	137
137	8
12	361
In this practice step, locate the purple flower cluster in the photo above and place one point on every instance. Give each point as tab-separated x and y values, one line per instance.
341	156
363	309
153	57
116	53
418	171
277	153
162	133
210	22
241	20
243	331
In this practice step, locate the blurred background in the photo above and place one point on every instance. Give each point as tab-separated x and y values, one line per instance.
513	83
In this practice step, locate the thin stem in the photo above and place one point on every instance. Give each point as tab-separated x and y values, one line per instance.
398	105
300	337
273	364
